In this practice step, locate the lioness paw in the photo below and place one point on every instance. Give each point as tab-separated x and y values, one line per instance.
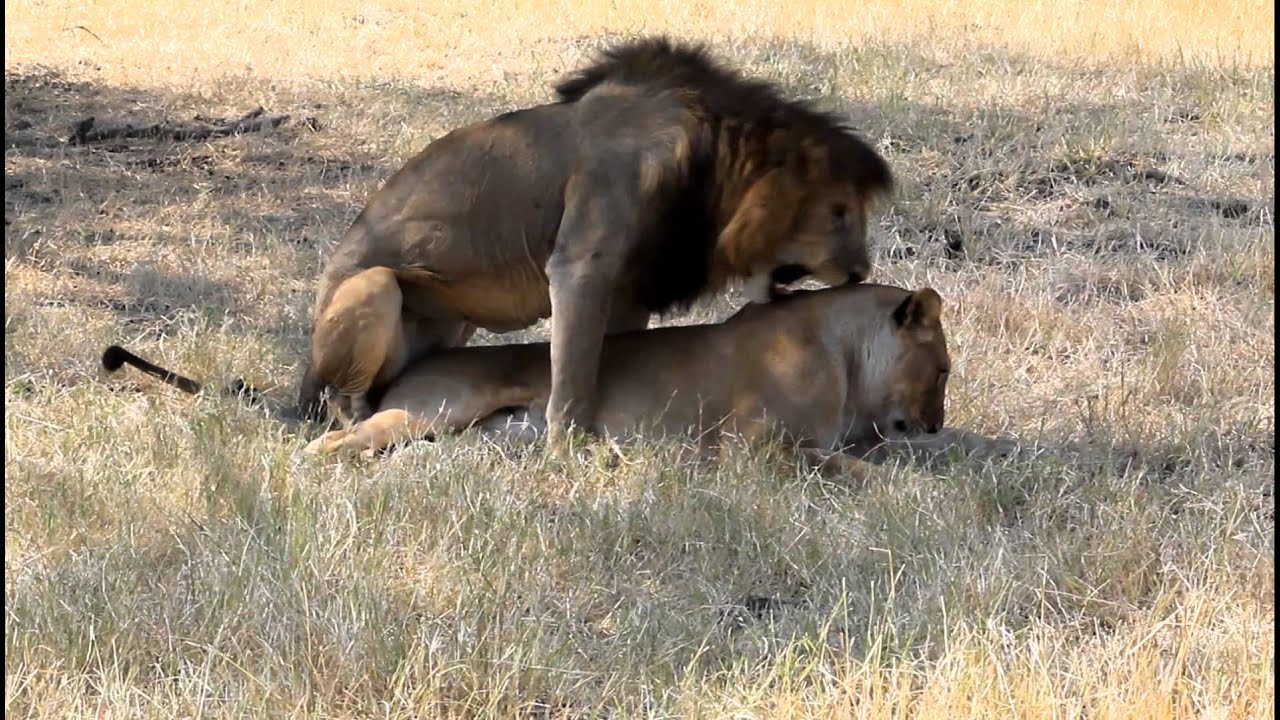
837	465
327	443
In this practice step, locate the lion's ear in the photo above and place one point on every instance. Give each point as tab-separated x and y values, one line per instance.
762	222
922	308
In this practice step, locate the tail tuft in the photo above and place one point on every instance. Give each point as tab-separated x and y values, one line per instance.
114	357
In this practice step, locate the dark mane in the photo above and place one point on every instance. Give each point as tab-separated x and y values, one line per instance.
660	64
765	130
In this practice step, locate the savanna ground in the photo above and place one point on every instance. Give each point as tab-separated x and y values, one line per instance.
1089	185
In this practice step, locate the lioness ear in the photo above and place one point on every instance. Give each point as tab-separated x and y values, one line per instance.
922	308
762	221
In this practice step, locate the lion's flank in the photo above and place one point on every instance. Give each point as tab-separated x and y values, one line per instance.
721	92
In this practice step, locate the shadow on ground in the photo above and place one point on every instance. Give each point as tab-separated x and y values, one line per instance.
147	234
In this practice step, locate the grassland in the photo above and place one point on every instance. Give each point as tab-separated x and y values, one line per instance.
1090	186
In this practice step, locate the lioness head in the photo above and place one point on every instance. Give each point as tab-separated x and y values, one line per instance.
903	369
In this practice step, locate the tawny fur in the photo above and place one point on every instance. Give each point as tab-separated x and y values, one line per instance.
821	369
657	178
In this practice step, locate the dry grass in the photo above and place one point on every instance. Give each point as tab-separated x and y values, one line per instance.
166	556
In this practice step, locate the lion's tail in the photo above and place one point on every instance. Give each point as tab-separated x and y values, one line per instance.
116	357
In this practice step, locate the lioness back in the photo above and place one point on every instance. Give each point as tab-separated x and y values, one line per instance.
825	369
824	364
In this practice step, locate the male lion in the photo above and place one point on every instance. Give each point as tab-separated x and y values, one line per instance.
822	369
658	177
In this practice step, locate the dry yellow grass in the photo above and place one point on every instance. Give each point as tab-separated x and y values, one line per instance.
168	556
185	44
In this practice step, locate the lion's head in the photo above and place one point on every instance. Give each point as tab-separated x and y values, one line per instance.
808	213
816	227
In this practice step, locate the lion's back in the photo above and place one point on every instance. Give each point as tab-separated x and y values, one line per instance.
486	194
524	153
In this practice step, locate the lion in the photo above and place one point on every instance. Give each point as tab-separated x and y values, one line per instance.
823	370
657	178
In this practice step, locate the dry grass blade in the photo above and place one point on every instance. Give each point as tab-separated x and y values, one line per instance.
1090	186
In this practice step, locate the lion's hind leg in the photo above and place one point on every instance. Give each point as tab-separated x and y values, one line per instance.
359	339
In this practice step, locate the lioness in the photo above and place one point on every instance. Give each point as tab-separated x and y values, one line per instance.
823	368
658	177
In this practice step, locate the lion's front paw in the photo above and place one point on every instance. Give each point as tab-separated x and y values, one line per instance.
846	467
582	447
991	447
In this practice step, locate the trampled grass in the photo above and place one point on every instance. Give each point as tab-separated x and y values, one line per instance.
1089	185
